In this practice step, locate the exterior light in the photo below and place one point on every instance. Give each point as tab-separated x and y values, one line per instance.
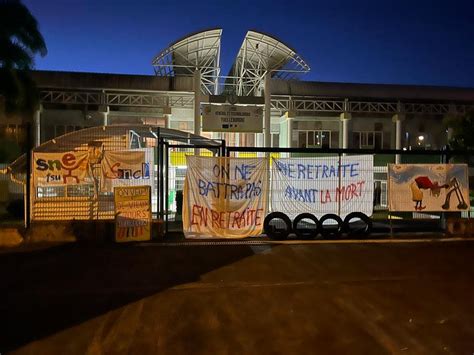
421	138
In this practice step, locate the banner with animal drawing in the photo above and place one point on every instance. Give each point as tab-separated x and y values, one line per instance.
322	185
67	168
428	187
126	168
224	197
132	213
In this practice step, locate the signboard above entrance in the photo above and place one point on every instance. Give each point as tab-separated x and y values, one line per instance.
232	118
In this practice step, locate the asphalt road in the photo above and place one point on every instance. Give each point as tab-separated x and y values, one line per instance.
239	299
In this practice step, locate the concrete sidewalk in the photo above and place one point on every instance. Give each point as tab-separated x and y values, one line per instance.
411	298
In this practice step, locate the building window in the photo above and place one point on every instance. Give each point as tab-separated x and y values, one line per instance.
60	130
50	191
80	190
187	126
314	139
14	132
247	140
380	193
368	139
275	140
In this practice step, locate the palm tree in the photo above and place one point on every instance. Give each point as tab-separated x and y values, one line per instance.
20	41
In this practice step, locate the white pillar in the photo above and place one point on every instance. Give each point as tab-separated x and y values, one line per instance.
104	109
345	119
267	123
290	121
397	119
167	120
197	102
449	134
37	126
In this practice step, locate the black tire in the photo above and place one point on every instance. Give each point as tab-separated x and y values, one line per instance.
358	232
306	233
330	232
272	232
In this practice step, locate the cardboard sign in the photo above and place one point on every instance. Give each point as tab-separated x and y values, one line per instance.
323	185
224	197
132	213
428	187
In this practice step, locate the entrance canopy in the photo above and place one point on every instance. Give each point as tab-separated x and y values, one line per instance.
259	54
115	137
200	50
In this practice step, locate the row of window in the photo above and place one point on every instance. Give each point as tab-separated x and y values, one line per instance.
16	132
324	139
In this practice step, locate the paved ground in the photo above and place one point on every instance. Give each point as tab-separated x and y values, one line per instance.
291	299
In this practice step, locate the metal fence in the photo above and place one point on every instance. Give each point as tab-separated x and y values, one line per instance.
384	220
166	150
92	197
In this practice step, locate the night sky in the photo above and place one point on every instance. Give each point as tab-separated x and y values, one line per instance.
406	42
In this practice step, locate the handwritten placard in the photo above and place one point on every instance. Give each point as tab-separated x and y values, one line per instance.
132	213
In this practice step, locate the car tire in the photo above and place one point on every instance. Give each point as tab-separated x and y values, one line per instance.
306	234
358	232
328	232
273	233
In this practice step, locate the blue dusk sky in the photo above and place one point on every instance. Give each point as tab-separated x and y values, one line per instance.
400	41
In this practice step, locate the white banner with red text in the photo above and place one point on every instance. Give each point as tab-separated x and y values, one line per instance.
224	197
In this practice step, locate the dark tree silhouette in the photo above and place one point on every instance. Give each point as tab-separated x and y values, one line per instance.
20	41
462	130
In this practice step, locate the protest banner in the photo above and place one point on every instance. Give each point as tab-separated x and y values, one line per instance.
224	197
53	169
428	187
132	213
126	168
323	185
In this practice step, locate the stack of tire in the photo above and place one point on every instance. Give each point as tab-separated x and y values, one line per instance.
319	228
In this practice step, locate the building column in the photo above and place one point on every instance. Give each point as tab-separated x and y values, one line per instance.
197	102
290	124
449	132
267	123
37	126
397	119
167	116
104	110
345	118
167	120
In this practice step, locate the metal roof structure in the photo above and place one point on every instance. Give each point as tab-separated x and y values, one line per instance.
259	54
200	50
113	137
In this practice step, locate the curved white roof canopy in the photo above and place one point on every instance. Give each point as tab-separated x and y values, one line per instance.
200	50
261	53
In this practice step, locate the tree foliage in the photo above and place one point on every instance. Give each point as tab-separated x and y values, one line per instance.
20	38
20	42
462	127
